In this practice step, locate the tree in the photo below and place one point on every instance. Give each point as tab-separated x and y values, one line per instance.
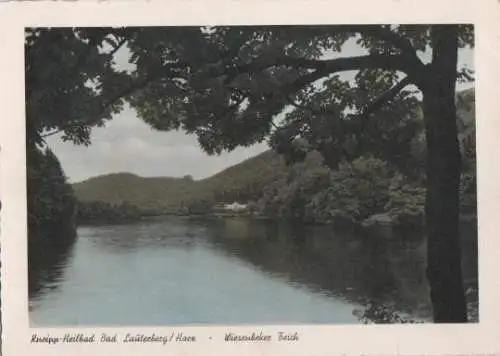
50	199
228	85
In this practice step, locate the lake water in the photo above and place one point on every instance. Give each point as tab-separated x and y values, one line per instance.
230	271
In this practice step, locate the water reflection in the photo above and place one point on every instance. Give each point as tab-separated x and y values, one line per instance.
357	265
180	260
49	252
128	238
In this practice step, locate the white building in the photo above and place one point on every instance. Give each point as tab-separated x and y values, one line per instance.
235	207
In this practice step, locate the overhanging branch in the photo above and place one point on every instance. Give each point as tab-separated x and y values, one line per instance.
102	109
126	92
386	96
361	119
393	38
118	46
329	66
382	32
94	41
308	108
376	104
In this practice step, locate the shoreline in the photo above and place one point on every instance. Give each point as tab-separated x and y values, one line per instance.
374	221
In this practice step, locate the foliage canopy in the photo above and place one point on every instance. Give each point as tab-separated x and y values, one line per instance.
239	85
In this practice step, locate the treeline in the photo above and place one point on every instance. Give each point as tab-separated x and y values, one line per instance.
355	192
50	199
100	212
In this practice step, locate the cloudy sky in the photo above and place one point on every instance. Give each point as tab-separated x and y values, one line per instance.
126	144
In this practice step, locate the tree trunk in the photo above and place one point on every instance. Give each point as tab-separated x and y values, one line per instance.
444	269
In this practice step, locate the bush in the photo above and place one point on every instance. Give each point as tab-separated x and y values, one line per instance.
406	203
356	191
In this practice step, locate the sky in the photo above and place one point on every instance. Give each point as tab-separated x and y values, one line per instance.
127	144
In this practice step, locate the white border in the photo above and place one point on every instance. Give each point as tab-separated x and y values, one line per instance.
479	338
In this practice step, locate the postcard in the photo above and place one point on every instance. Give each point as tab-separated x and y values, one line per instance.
268	177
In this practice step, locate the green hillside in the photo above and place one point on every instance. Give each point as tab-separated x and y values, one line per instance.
147	193
241	182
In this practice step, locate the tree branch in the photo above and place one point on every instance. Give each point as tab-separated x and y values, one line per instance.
308	108
83	58
393	38
118	46
386	96
108	103
384	33
326	67
48	134
407	62
376	104
103	107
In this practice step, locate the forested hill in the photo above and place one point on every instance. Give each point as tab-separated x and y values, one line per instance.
305	190
242	182
146	193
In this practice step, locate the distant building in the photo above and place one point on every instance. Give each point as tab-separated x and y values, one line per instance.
235	207
232	208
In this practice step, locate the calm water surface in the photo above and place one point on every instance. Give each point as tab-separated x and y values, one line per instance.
230	271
